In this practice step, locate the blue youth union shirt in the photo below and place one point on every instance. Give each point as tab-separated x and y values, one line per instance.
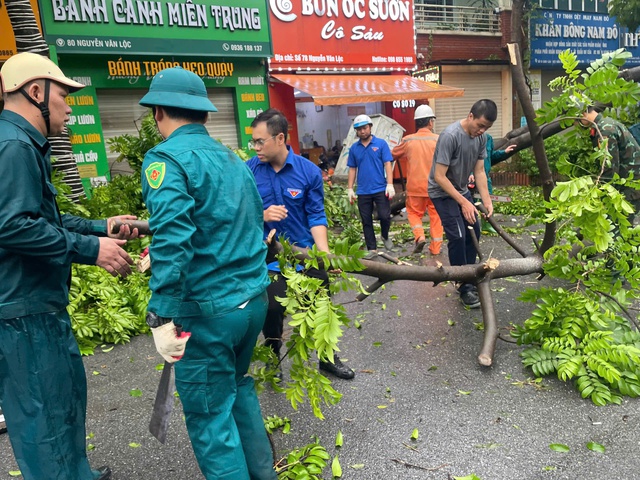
370	162
299	187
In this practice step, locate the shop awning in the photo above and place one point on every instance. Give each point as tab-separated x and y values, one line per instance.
344	89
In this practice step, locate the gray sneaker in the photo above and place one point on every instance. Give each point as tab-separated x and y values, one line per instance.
470	299
388	244
371	255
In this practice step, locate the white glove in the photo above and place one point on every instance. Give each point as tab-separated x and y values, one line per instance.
170	346
390	192
351	194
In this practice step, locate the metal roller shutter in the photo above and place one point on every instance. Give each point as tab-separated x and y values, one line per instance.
120	112
477	85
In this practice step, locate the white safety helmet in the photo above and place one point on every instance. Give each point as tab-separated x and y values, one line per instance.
361	121
424	111
25	67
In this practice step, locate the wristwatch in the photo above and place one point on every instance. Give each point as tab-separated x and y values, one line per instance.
155	321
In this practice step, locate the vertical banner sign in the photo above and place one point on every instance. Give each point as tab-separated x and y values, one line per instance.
7	39
535	80
342	35
87	141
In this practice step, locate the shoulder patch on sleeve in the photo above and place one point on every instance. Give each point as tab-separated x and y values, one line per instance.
155	174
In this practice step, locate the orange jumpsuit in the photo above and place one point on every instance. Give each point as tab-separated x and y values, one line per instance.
418	150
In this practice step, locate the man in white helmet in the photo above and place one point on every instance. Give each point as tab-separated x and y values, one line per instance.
417	151
43	389
370	163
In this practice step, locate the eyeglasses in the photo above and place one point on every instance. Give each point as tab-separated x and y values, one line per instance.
259	142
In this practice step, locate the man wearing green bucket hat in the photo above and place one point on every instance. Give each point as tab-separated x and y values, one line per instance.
208	275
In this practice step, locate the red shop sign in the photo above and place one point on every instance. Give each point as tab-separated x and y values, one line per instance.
342	34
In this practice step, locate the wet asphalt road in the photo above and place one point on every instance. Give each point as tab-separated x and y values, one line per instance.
416	368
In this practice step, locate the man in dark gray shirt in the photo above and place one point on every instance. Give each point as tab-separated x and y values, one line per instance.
460	151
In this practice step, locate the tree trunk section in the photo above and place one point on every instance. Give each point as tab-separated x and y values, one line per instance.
29	39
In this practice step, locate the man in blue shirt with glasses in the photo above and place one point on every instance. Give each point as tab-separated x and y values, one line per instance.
292	194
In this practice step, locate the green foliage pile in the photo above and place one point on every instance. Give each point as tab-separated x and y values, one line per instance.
587	333
303	463
342	216
106	309
524	200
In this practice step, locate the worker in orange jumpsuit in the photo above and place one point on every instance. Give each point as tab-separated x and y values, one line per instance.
418	150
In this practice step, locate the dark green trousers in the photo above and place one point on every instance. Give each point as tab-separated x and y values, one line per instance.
220	403
43	392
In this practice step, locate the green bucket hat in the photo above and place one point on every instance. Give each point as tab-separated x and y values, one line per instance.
177	87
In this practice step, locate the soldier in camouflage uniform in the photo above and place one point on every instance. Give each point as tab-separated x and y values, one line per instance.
624	150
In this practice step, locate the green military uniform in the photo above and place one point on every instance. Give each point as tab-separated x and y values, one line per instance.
209	274
493	158
42	379
625	154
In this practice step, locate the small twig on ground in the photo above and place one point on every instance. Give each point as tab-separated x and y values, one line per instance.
505	339
428	469
410	447
625	311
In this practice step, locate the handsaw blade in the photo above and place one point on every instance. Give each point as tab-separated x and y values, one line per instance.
163	405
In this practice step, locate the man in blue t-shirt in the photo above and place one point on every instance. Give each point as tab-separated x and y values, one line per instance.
460	151
370	162
292	194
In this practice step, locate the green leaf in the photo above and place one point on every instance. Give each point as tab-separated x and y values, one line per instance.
384	306
451	323
414	434
399	313
339	439
559	447
160	367
463	392
90	447
15	473
134	445
377	344
596	447
357	466
336	469
135	392
106	350
473	476
95	372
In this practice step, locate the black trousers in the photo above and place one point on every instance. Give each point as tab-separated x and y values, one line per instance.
365	205
274	323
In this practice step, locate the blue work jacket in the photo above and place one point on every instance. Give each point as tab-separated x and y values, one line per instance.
299	187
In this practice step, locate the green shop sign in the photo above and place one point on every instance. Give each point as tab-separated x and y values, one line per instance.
188	27
87	142
245	76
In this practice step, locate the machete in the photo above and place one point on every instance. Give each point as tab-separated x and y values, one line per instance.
163	404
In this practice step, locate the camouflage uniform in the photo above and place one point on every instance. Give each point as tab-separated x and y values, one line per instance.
625	155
